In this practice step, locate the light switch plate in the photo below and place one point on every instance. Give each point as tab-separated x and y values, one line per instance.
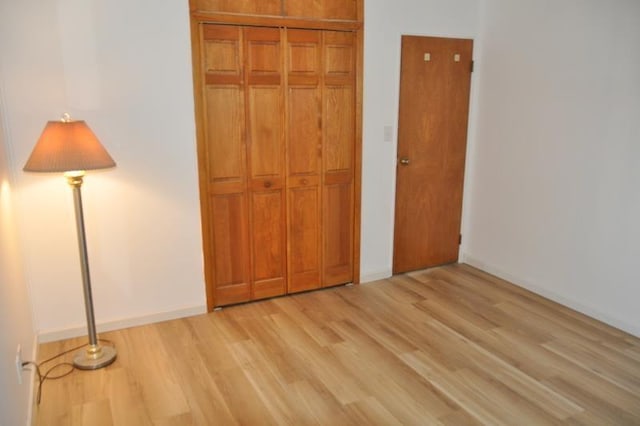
388	133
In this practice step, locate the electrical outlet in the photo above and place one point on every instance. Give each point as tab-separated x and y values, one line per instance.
19	363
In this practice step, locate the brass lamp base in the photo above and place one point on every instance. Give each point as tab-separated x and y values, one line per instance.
95	357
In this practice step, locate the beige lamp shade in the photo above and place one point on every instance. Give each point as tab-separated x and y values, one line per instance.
68	146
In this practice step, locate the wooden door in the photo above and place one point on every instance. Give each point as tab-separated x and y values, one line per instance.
304	149
226	210
321	152
277	156
245	162
265	143
338	121
432	133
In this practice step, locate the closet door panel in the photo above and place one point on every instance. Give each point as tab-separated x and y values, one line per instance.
304	188
304	115
224	103
230	248
304	238
225	136
339	129
338	156
266	106
338	233
268	242
263	53
266	132
304	131
226	178
266	151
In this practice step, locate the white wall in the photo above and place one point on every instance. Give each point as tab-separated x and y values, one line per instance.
15	309
385	23
554	196
125	68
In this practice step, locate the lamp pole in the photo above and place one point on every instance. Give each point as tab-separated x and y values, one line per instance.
95	355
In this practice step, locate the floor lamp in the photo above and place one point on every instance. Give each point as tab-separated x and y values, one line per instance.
72	148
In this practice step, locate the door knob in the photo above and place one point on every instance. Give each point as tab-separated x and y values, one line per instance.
404	161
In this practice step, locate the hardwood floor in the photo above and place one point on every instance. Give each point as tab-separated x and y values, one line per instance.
450	345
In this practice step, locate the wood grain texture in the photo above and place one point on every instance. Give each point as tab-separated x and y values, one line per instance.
339	140
432	135
304	158
230	240
262	7
264	80
324	9
449	345
279	118
227	207
330	10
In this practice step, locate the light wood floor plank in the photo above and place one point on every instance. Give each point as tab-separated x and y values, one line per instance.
450	345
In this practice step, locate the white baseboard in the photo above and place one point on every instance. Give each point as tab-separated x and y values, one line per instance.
67	333
577	306
375	276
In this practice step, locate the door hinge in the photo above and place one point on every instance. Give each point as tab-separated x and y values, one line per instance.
459	239
471	66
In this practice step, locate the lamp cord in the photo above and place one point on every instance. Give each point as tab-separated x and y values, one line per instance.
47	375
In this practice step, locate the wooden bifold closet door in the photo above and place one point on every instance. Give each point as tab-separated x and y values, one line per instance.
279	140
